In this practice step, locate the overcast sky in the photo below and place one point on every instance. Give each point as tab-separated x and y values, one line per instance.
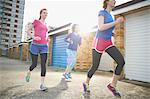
61	12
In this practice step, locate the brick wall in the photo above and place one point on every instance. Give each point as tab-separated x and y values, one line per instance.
84	53
49	60
119	40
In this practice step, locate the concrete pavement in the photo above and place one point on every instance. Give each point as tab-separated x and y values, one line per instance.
13	85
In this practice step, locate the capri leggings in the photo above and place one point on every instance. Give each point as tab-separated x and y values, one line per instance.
114	53
43	62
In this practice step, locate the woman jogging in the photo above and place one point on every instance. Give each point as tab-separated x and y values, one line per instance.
74	41
38	46
102	42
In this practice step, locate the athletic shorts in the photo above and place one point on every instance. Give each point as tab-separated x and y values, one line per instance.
36	49
101	45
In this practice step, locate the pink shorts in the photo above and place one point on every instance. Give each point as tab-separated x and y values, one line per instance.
101	45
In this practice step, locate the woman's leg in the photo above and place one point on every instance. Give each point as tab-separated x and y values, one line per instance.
95	63
34	64
69	64
34	61
43	66
117	56
71	61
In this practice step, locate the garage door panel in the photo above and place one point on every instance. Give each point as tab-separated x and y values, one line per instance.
137	46
59	56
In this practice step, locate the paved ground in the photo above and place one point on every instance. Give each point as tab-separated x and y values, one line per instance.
13	85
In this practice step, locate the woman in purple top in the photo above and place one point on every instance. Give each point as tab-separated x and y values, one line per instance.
102	42
74	40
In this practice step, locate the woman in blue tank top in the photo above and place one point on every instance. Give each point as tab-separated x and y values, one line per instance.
102	42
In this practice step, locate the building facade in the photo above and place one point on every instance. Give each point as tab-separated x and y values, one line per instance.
11	19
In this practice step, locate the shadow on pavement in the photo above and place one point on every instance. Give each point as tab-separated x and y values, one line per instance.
51	93
87	95
5	91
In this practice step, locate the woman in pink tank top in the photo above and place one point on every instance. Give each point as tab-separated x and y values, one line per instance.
39	46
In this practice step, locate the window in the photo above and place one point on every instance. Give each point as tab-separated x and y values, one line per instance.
17	11
5	13
7	30
6	40
18	1
16	16
8	24
15	31
7	35
8	14
14	41
14	36
8	4
16	21
7	9
6	45
15	26
17	6
8	19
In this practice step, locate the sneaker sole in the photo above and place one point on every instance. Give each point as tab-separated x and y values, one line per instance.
112	92
44	89
67	80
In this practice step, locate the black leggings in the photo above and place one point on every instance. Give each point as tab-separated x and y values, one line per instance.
43	63
114	53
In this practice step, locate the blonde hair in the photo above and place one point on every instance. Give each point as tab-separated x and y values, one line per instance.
74	27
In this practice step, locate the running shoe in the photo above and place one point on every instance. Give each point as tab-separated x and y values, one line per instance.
65	76
27	78
113	90
43	87
86	87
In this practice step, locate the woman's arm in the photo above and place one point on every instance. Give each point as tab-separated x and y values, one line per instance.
30	32
102	26
67	38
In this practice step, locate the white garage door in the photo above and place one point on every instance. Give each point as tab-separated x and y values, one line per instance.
137	46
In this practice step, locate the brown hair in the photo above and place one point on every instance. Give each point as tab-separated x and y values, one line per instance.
105	4
41	12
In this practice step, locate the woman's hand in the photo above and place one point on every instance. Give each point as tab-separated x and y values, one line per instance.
113	33
36	38
70	41
119	20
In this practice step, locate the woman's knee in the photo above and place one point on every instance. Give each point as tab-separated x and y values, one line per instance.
121	62
92	71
